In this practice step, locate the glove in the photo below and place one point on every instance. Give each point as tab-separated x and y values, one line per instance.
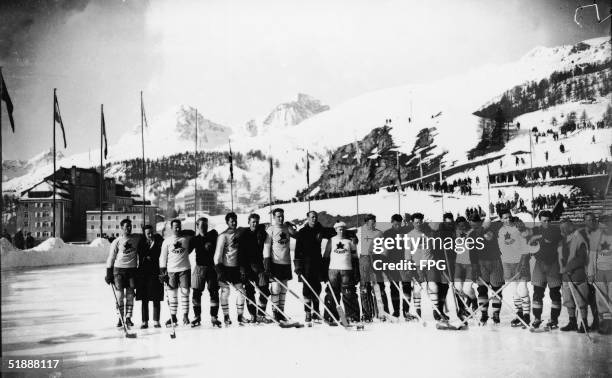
267	265
163	276
109	278
298	267
220	272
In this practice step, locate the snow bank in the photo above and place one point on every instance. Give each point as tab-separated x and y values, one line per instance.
53	251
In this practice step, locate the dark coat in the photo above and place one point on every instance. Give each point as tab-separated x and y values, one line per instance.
308	257
148	286
250	248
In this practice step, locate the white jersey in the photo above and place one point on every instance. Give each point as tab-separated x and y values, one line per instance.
175	254
122	253
417	248
277	245
463	255
512	244
604	253
340	253
226	252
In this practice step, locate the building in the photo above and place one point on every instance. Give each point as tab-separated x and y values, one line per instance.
111	220
207	202
77	192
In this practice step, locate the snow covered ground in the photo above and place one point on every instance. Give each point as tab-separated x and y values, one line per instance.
68	312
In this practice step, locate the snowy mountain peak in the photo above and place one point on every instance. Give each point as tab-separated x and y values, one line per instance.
287	114
591	50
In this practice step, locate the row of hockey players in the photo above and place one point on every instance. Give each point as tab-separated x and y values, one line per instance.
256	259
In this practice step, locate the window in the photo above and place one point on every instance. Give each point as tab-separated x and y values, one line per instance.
92	227
25	214
116	217
25	205
108	226
109	217
25	224
37	234
92	218
117	226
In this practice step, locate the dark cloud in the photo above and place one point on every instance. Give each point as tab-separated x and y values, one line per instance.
24	20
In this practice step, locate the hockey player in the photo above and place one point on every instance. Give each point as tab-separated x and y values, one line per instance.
204	274
175	271
512	241
574	257
489	266
231	268
600	271
466	269
416	253
341	251
444	251
148	287
593	233
121	269
251	242
308	262
366	236
277	258
395	255
546	270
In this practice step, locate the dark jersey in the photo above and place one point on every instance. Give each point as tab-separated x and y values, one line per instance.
204	247
549	243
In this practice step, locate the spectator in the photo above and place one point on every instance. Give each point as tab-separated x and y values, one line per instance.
19	240
29	241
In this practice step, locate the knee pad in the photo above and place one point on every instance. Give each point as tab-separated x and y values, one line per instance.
432	288
538	294
555	294
275	288
522	290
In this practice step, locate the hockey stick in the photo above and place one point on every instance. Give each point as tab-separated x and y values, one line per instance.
462	326
603	296
424	323
292	324
322	302
297	297
341	312
481	306
125	329
339	308
256	306
173	333
459	294
511	307
584	326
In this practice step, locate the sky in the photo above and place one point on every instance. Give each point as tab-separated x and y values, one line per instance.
237	59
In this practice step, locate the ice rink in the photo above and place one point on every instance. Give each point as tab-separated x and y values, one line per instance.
68	313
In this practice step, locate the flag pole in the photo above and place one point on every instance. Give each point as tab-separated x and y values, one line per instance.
144	166
1	174
308	178
54	163
441	190
231	175
195	180
488	191
399	185
270	184
531	176
101	171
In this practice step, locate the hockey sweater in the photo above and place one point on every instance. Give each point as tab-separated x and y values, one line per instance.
277	246
341	251
123	252
175	254
512	244
226	252
366	240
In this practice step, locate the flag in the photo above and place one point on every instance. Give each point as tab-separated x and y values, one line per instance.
307	169
271	169
440	172
7	100
231	163
57	117
142	112
103	125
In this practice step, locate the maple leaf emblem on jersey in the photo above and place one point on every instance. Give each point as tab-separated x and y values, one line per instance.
282	238
340	245
507	236
177	247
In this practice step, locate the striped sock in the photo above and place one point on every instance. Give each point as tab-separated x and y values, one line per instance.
518	304
496	305
129	303
224	299
173	299
239	299
526	305
185	301
281	301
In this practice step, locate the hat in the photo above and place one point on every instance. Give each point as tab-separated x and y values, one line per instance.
339	224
